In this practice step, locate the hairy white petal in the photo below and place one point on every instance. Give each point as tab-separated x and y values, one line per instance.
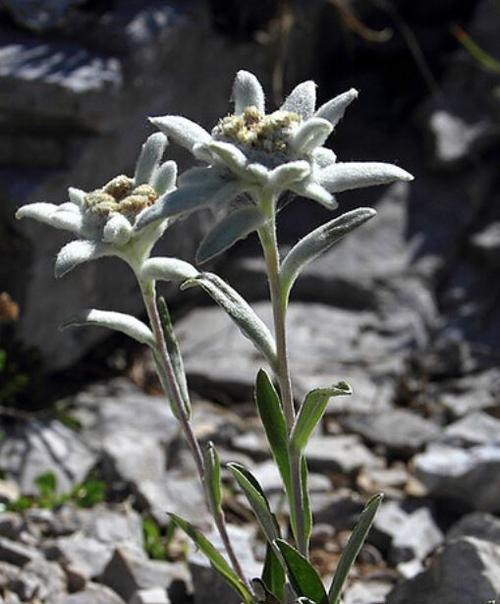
311	134
302	99
247	92
164	178
353	175
69	206
283	176
68	221
168	269
202	152
323	157
42	212
259	173
117	321
77	252
76	196
117	230
183	131
313	190
232	157
333	110
149	158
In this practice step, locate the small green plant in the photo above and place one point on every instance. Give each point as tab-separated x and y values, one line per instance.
85	494
249	160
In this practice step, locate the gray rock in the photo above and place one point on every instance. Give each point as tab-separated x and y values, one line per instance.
476	392
111	408
477	428
417	537
479	525
339	510
486	244
367	592
399	430
465	570
36	447
94	593
11	525
217	358
253	444
39	15
344	454
470	475
176	493
129	571
391	481
84	555
208	586
41	579
389	520
135	457
453	137
150	596
113	526
17	553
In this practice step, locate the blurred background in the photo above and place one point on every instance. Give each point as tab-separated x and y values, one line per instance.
407	309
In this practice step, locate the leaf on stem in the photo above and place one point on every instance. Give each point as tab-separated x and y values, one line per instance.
353	547
118	321
167	269
273	420
304	578
319	241
311	412
273	575
212	468
237	225
257	500
174	354
239	310
216	559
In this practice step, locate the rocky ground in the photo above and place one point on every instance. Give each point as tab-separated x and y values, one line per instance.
405	310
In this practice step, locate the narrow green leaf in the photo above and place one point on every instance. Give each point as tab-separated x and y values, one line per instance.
319	241
273	574
311	412
273	420
306	503
304	578
212	468
240	312
117	321
174	353
257	500
216	559
353	547
233	227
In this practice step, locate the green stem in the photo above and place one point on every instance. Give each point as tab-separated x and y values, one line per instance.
267	235
167	377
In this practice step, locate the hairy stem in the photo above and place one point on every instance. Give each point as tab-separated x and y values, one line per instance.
171	386
269	243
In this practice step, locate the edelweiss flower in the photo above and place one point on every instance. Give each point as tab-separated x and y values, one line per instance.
264	155
106	221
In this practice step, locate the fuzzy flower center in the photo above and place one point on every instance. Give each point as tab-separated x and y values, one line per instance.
119	195
270	133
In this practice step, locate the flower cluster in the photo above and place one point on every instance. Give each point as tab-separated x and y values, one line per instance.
263	154
106	220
